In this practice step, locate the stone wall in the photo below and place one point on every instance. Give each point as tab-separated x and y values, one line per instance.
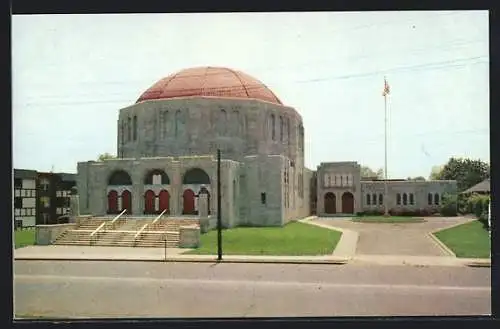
338	178
419	190
189	236
47	234
199	125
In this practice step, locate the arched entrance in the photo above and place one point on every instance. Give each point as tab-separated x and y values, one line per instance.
330	203
188	202
127	201
164	197
196	176
112	202
347	203
149	202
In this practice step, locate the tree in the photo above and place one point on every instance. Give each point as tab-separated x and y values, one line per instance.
466	172
435	172
367	172
105	156
418	178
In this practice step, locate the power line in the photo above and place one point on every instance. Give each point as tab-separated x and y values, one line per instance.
222	91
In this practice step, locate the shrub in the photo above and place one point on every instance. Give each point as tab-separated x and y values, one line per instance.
478	204
449	205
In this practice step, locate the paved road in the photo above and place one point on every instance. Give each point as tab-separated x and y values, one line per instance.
121	289
396	239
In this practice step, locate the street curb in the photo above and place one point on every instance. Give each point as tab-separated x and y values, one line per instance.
479	264
441	244
185	260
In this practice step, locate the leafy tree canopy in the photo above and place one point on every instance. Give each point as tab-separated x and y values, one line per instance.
467	172
367	172
105	156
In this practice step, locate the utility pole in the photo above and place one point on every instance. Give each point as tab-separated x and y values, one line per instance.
219	206
386	191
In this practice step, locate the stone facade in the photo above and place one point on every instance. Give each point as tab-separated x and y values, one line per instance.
336	180
263	178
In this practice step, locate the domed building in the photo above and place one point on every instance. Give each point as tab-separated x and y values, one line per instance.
167	145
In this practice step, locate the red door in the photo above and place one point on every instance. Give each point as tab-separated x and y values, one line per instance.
347	203
149	202
164	201
127	201
112	202
188	198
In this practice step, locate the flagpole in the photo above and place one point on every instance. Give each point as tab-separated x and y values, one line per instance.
386	210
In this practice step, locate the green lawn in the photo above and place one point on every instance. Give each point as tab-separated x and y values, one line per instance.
390	219
24	238
294	239
468	240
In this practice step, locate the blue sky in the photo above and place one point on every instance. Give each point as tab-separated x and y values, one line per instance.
81	69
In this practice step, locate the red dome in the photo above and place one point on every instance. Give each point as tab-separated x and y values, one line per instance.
209	81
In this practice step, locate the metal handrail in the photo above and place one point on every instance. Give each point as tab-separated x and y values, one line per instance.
140	231
156	219
116	218
104	223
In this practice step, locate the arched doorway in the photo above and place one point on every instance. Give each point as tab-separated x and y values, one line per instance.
347	203
156	177
164	197
330	203
196	176
119	178
149	202
112	202
127	201
188	202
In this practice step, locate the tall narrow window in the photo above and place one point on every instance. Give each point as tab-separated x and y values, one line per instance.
429	199
122	132
398	199
368	199
164	129
129	129
135	127
288	130
329	181
380	199
177	122
412	199
223	123
374	199
263	198
281	129
436	199
405	199
273	127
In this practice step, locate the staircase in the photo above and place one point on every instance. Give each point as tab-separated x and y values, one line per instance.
81	235
122	233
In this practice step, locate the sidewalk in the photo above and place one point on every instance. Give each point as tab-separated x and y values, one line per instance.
83	253
78	253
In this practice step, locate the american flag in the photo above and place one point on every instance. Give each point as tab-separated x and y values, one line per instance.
386	88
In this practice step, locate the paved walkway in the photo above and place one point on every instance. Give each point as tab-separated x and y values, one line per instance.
403	239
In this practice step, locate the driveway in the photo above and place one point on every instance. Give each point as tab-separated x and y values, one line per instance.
408	239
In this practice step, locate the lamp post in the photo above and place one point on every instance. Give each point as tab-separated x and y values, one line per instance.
219	220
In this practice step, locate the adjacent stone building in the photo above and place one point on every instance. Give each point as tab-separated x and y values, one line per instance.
341	190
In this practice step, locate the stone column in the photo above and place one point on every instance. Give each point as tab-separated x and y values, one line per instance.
176	191
203	212
74	208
